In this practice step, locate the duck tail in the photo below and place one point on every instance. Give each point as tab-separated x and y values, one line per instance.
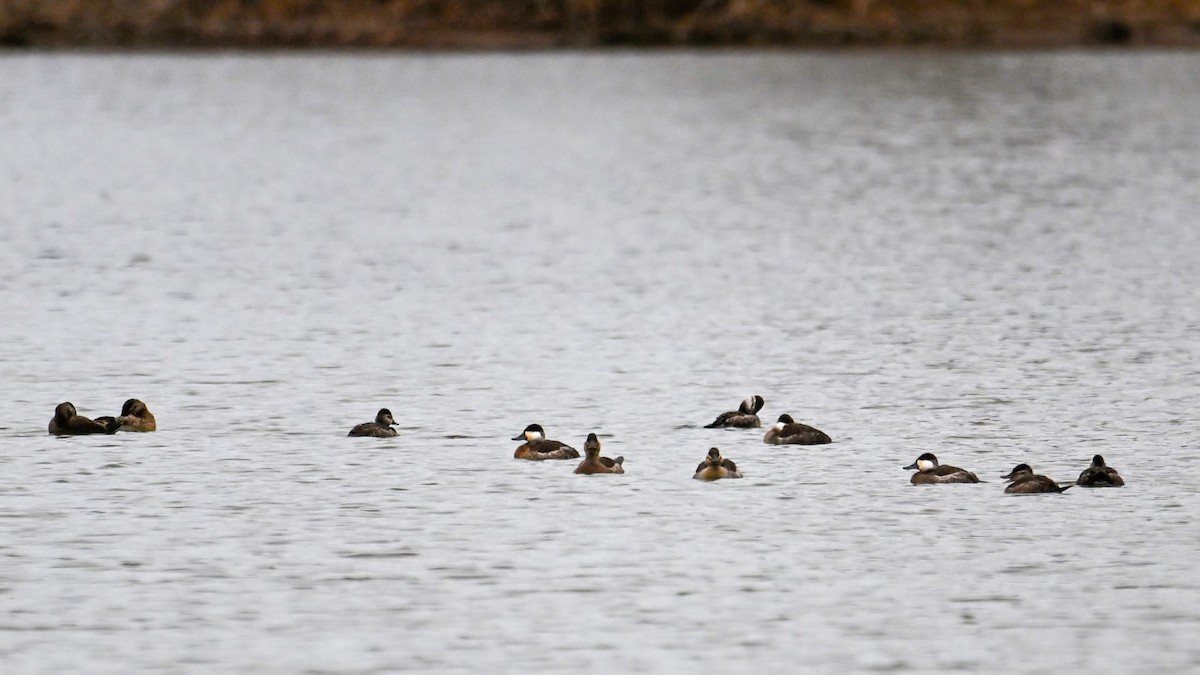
619	460
110	424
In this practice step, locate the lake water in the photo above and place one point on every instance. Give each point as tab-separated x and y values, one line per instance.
993	257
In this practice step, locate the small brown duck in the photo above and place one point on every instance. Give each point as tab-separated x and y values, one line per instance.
594	463
380	428
536	447
68	422
1099	474
929	472
788	431
745	416
716	467
1025	482
135	416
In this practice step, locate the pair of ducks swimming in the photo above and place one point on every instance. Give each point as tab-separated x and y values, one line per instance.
1022	479
786	431
134	417
537	447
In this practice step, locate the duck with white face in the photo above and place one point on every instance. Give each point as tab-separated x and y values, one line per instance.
1099	474
1023	481
537	447
68	422
788	431
929	472
593	463
744	417
380	428
716	467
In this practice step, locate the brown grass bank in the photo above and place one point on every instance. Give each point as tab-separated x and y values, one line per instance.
474	24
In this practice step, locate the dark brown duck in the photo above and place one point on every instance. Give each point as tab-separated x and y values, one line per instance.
788	431
380	428
68	422
744	416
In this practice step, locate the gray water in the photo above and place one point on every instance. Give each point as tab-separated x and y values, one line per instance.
991	257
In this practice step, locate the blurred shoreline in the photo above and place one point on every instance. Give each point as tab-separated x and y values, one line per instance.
548	24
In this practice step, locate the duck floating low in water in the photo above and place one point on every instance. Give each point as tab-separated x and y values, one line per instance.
744	416
593	463
716	467
68	422
1026	482
135	416
536	446
929	472
788	431
380	428
1099	474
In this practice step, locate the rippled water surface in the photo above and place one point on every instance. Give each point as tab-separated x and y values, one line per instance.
990	257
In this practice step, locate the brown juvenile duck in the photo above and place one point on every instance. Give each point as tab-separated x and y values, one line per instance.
716	467
67	422
380	428
1099	474
744	416
788	431
1025	481
135	416
537	448
594	463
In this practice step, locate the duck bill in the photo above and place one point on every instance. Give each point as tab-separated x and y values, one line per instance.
911	467
519	437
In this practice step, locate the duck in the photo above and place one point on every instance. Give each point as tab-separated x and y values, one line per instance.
68	422
537	448
1025	481
1099	474
716	467
380	428
594	463
788	431
135	416
744	416
929	472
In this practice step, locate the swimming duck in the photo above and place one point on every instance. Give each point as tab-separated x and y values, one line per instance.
788	431
1099	474
1025	481
929	472
594	463
536	447
380	428
135	416
68	422
716	467
744	416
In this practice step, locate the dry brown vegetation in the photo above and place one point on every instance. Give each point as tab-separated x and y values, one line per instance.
552	23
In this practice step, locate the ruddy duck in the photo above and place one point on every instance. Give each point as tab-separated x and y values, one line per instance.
135	416
716	467
788	431
594	463
929	472
1025	481
380	428
744	417
67	422
1099	474
536	447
